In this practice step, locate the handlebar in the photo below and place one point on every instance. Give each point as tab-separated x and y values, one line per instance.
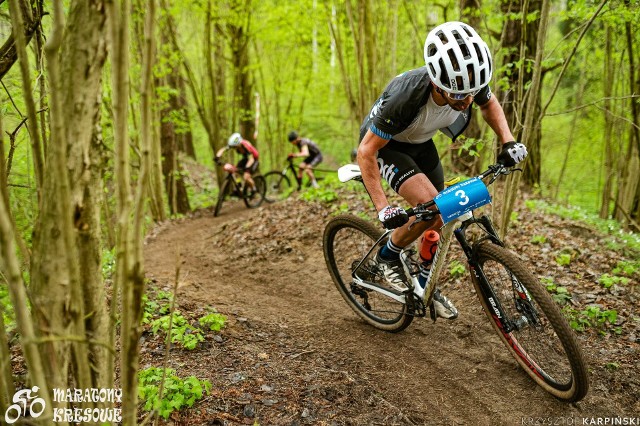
425	211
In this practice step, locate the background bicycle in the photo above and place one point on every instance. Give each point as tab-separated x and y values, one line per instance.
279	184
233	186
523	314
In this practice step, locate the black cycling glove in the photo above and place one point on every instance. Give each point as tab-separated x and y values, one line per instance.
512	153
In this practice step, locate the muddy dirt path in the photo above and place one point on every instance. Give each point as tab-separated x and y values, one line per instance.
444	373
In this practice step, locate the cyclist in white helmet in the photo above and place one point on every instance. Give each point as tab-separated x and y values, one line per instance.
248	163
396	144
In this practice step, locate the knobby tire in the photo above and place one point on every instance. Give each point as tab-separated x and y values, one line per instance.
277	185
346	240
548	352
254	200
224	190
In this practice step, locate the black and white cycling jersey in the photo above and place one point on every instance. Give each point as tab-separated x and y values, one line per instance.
406	113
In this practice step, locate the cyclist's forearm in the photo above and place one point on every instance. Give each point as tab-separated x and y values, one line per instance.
367	160
493	114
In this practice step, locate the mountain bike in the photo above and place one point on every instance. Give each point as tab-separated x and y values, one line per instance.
234	187
279	183
521	311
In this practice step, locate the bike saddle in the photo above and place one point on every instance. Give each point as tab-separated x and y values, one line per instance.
349	172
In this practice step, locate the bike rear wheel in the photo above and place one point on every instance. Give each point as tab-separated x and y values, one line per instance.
277	186
347	239
225	189
542	341
253	199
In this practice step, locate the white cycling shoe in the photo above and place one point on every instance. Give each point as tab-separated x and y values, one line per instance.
443	306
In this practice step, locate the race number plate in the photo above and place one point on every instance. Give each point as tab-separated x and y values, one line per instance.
461	198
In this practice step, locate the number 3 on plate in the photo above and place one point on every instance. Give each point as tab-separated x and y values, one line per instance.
465	200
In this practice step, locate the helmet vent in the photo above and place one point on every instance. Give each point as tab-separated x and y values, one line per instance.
443	38
472	75
454	61
480	55
432	50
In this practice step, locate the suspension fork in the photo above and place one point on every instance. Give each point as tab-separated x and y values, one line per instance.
487	293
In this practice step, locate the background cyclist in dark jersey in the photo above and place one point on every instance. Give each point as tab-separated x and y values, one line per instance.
313	156
396	136
248	164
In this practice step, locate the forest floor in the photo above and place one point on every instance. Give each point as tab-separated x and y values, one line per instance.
293	353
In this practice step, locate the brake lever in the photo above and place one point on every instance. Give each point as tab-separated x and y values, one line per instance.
503	171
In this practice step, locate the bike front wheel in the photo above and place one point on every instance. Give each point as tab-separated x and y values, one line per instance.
225	189
541	340
254	197
277	186
347	240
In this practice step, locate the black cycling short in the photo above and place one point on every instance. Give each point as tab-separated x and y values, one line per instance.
399	161
242	163
313	160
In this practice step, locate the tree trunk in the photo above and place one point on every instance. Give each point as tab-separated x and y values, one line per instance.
6	375
171	168
628	198
520	41
19	11
242	86
607	189
531	120
8	52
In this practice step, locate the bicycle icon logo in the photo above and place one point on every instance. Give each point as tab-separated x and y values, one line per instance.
21	399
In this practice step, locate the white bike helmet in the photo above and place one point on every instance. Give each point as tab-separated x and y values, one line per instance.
458	60
234	140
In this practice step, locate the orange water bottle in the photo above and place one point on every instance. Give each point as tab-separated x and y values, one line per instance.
429	245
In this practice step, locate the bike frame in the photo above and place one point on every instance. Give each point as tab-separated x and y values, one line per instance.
457	228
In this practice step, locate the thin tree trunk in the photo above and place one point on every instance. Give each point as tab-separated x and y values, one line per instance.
608	73
126	260
572	130
8	51
32	122
530	118
18	296
6	376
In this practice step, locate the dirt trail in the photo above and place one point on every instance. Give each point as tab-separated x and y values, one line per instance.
289	330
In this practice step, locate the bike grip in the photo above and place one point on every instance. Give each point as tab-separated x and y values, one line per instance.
410	212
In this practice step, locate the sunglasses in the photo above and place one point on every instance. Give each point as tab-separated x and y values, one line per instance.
461	96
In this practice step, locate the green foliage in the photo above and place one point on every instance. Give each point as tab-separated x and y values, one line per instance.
592	317
471	146
322	194
182	333
8	315
611	227
612	366
457	269
108	263
558	293
563	259
538	239
153	308
608	281
628	268
326	193
213	321
177	394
